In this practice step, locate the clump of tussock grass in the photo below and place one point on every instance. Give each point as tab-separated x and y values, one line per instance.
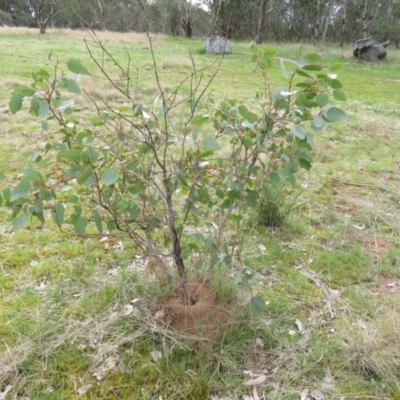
10	83
273	211
99	90
373	345
176	62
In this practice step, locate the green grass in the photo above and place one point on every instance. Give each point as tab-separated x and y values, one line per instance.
62	299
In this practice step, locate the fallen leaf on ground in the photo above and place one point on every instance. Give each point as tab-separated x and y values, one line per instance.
160	314
317	395
156	355
3	395
360	228
304	394
83	389
258	380
299	326
128	309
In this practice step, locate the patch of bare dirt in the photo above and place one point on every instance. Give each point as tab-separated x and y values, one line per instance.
371	243
388	286
205	318
346	208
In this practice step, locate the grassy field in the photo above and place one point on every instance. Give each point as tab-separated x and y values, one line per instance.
330	272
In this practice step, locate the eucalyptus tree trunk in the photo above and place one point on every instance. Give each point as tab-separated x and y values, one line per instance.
343	32
316	28
214	6
185	9
42	12
329	8
261	20
364	20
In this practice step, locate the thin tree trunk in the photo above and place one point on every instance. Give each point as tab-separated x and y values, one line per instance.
186	16
343	24
316	29
176	248
327	19
364	19
261	20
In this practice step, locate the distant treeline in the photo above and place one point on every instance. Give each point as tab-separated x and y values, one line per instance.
339	21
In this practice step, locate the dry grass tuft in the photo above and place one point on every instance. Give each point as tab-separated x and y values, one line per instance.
100	90
374	345
10	83
176	62
130	37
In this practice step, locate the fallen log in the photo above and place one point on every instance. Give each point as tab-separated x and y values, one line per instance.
368	49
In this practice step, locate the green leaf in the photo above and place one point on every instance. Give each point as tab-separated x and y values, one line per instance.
65	104
43	108
305	164
57	213
247	142
84	176
270	52
335	114
31	174
15	103
339	95
72	86
336	67
269	192
73	199
257	305
303	73
253	47
310	140
195	211
313	58
225	204
275	178
20	222
134	189
70	155
210	145
301	99
25	91
79	225
2	176
200	119
76	67
322	99
299	131
34	107
284	70
277	93
318	124
90	155
335	84
97	220
21	190
313	67
7	194
109	176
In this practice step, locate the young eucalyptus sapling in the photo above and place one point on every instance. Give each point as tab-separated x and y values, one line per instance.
175	172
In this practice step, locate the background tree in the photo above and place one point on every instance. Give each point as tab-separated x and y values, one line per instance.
329	7
274	20
43	12
261	19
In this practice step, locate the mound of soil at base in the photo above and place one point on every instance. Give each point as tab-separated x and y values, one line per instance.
205	318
